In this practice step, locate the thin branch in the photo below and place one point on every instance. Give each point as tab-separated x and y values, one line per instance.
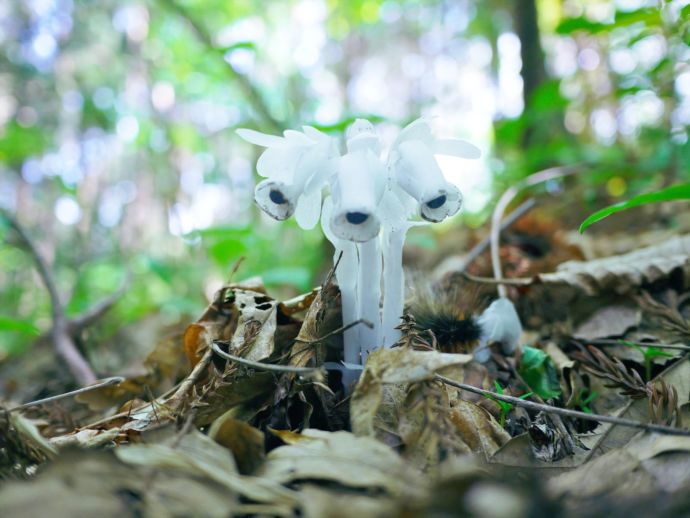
303	371
479	248
62	341
502	205
564	411
519	281
115	380
130	410
337	331
248	89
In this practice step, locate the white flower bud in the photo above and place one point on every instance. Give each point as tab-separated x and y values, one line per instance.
357	191
296	167
415	169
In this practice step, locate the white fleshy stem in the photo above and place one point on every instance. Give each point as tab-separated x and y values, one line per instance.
347	282
369	282
393	284
347	276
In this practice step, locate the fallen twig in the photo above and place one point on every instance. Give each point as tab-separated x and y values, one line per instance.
115	380
564	411
303	371
520	281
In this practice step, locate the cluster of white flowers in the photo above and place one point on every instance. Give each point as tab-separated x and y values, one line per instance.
372	203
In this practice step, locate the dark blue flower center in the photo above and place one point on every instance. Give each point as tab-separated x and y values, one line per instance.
356	218
437	202
277	197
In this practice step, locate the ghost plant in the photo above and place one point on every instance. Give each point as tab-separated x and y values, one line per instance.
371	206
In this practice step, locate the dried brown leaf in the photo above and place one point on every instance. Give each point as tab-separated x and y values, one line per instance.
341	457
627	272
244	441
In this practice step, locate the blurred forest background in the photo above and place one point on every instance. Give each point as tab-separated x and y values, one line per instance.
118	153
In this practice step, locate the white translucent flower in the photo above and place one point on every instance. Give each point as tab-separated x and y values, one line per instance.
414	168
296	167
358	186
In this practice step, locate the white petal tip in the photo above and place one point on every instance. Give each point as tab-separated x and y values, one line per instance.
258	138
275	199
441	204
355	225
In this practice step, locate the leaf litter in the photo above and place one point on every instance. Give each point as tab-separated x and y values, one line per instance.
244	414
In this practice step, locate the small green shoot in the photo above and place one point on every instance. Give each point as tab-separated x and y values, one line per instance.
585	401
539	372
649	353
504	405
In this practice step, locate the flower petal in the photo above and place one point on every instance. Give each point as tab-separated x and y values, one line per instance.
260	139
441	204
314	134
358	187
308	210
278	163
296	138
416	130
275	198
456	147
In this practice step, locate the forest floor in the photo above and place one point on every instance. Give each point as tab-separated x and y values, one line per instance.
238	415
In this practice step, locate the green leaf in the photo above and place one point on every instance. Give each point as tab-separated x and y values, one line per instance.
673	193
539	372
649	16
570	25
18	143
18	325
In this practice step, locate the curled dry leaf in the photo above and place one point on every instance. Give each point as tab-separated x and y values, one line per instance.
342	458
318	502
627	272
218	321
198	455
399	365
244	441
88	483
396	402
477	428
253	338
613	320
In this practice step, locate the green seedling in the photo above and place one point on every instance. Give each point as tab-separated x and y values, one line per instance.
539	372
585	401
504	405
649	353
